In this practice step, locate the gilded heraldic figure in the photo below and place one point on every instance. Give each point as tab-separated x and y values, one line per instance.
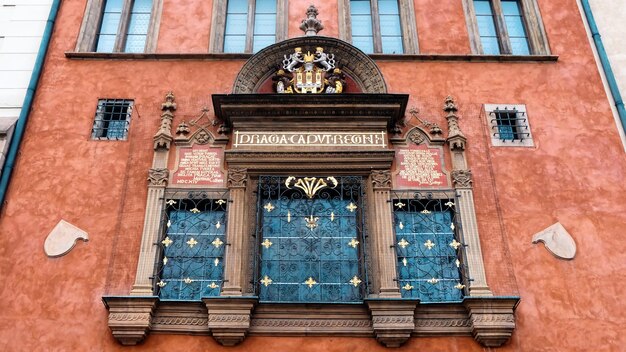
308	73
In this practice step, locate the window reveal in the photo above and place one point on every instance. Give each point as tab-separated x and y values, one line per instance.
112	119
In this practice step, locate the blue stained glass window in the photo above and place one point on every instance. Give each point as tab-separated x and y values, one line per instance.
515	27
361	19
138	26
109	26
264	24
428	250
192	261
487	27
310	248
390	28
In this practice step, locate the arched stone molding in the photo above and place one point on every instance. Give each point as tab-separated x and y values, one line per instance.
355	63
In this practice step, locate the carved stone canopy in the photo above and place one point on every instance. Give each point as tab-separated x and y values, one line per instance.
355	64
311	112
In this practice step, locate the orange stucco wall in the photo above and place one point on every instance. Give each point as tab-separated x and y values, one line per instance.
574	175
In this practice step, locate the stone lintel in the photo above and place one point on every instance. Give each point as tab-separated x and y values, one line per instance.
492	319
393	320
229	317
130	318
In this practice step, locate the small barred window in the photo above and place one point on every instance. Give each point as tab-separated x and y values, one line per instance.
112	119
509	125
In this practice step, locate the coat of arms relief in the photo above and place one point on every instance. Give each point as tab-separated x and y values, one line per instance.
309	73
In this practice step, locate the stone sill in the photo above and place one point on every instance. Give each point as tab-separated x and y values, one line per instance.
377	57
490	320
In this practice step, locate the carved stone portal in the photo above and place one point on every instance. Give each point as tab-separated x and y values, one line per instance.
392	320
229	318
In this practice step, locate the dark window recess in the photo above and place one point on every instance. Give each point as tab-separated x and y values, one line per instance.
509	125
112	119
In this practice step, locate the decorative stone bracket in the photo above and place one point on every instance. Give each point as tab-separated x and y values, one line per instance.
393	320
130	318
492	319
229	318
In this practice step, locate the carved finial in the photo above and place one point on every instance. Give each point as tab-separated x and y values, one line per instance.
456	139
435	130
311	25
182	129
163	137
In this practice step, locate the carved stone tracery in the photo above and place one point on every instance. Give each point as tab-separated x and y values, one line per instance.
462	178
237	177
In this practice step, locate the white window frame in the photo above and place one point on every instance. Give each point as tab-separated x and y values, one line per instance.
492	126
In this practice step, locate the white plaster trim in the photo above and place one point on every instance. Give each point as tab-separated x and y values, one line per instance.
496	142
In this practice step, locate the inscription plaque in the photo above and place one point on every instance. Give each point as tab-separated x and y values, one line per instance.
199	166
312	139
420	166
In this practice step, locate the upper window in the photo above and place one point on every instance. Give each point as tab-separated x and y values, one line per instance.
379	26
122	26
510	27
247	26
112	119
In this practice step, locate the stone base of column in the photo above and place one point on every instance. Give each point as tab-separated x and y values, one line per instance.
130	318
492	319
393	320
229	318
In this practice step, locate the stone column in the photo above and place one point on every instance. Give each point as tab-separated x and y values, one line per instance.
235	236
462	180
158	176
383	235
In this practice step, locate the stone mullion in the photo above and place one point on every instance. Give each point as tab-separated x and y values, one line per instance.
148	252
462	179
235	233
158	177
384	235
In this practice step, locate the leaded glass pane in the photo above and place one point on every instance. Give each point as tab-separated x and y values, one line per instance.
310	247
428	248
366	44
109	25
237	6
138	26
392	45
265	6
487	27
234	43
515	27
388	7
192	260
265	24
360	7
262	41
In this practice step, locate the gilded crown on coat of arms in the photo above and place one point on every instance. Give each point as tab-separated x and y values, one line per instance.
309	73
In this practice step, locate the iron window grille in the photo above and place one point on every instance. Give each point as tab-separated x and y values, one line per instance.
429	246
191	264
509	125
112	119
310	240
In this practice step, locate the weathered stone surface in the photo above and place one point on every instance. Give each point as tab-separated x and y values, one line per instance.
130	318
557	241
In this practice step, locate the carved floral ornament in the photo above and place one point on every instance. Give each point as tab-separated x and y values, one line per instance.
306	73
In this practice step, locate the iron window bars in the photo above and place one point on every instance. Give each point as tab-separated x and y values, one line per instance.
191	264
112	119
429	246
310	240
509	125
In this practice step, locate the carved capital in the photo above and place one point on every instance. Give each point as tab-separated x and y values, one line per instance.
237	177
381	179
492	319
158	177
130	318
229	318
392	320
462	178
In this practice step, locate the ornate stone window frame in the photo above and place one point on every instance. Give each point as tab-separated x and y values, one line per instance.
88	35
218	24
407	23
537	38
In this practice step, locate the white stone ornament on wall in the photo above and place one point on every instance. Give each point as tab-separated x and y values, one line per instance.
557	241
63	238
